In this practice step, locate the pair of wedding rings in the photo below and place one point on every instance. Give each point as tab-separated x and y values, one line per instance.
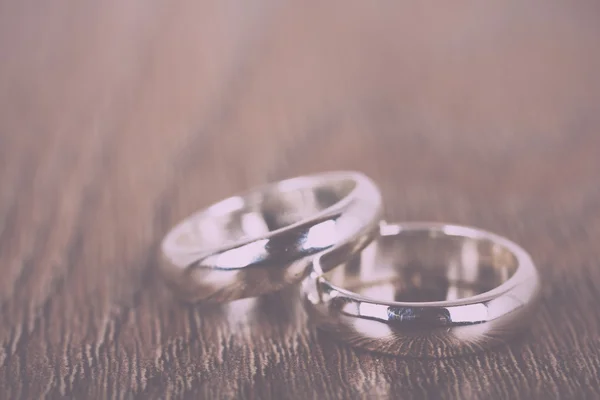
411	289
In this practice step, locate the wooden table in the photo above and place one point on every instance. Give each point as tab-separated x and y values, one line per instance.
119	118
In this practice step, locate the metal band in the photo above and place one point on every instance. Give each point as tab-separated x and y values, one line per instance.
425	290
263	240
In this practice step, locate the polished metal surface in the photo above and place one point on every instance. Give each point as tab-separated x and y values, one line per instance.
425	290
263	240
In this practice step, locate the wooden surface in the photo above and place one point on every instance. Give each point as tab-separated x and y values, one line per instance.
118	118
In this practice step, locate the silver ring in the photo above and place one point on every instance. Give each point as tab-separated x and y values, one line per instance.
425	290
263	240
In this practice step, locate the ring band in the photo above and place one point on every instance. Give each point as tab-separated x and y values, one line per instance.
425	290
263	240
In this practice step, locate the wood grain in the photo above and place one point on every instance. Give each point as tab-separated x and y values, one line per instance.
119	118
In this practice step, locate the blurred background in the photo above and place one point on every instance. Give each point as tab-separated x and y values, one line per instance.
117	119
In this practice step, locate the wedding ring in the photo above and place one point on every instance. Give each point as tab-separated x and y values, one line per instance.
425	290
263	240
